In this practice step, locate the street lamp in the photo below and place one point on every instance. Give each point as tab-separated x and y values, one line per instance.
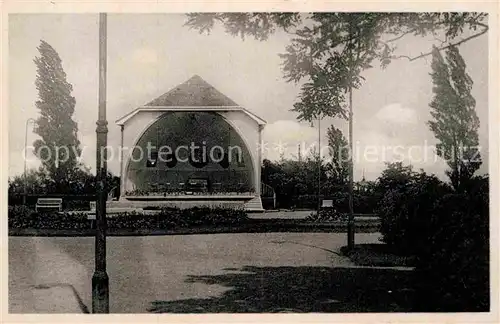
100	280
350	223
319	163
28	121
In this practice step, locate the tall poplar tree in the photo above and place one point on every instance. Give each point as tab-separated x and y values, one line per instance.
339	153
59	147
455	123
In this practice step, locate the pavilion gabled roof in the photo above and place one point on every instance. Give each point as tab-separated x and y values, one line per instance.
193	95
195	92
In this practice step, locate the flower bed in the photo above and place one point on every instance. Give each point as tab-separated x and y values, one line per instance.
23	217
327	215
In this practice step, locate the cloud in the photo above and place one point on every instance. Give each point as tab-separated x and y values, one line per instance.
88	157
396	113
289	130
17	159
145	55
284	136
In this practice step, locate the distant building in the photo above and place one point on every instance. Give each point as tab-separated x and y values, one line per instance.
363	185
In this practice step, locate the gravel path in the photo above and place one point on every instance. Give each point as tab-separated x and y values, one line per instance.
192	273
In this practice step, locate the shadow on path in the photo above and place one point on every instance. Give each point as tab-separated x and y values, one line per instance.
377	255
308	245
79	300
300	289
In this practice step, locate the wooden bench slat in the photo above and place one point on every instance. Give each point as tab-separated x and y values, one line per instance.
45	200
48	203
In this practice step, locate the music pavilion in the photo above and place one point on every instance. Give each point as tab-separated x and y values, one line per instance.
192	146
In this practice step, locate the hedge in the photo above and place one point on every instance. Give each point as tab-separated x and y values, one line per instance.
23	217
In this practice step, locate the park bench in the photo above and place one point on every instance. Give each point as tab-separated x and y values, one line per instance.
48	203
92	214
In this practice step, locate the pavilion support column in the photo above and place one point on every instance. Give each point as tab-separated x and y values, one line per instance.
258	188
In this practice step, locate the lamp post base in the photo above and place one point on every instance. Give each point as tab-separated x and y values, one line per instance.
100	292
350	234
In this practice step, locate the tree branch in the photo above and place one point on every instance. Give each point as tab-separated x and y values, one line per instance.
443	47
411	31
400	36
439	40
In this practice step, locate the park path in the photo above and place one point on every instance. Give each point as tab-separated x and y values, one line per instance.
149	269
43	278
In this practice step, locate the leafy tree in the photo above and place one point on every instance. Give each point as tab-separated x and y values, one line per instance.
339	155
39	183
293	179
329	51
36	182
455	123
59	147
394	177
268	169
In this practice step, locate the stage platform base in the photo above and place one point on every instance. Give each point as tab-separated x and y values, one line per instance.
248	203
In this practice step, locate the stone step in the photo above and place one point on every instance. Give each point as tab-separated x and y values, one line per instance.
254	205
125	205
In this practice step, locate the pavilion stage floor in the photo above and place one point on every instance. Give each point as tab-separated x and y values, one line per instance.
248	202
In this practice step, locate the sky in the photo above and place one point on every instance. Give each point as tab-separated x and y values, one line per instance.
148	54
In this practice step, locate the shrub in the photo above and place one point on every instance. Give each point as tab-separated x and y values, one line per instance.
447	232
341	200
23	217
213	216
131	220
299	201
453	268
172	217
75	205
19	211
19	215
405	212
327	215
366	203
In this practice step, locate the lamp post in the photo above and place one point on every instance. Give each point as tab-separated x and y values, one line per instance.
25	182
100	280
350	223
319	163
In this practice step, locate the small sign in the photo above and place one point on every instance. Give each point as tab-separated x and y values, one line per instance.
327	204
91	216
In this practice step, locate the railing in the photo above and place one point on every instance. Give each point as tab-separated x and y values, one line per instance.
268	195
266	190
